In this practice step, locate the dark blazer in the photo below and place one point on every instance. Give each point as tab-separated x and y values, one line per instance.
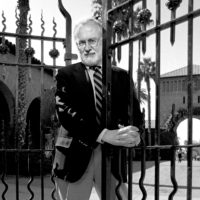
77	116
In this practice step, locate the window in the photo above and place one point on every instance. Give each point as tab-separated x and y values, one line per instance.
179	85
184	85
175	86
167	86
163	90
198	99
183	100
171	86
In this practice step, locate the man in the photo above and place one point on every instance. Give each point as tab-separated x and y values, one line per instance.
77	163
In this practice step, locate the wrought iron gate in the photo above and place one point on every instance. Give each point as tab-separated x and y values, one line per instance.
127	26
136	31
26	145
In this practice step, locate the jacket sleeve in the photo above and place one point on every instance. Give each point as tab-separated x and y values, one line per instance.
68	115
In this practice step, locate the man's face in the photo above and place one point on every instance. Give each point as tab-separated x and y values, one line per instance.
89	44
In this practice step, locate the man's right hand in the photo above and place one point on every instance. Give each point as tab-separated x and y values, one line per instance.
127	136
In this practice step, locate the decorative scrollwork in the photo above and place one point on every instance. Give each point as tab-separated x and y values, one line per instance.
54	53
173	4
119	26
3	48
144	16
54	27
29	52
3	22
42	24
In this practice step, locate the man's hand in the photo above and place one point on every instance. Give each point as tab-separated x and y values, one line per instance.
127	136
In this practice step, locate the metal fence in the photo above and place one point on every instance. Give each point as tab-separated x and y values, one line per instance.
20	182
26	145
127	27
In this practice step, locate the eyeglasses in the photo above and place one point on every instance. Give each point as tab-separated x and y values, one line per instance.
91	42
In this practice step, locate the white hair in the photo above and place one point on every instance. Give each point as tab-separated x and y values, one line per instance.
85	22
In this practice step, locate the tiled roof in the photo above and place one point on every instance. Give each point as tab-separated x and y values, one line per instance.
182	72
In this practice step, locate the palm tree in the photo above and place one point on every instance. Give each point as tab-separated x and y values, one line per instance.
147	72
21	44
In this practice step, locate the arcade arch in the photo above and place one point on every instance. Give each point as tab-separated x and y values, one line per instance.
7	107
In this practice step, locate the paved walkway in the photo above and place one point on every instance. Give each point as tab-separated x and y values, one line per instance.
165	183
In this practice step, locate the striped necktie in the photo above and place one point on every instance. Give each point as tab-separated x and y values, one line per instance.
98	93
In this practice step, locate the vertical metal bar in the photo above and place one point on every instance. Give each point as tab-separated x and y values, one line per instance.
143	161
138	75
29	162
173	173
157	133
15	120
28	124
190	100
16	143
130	70
41	105
144	5
106	157
68	38
4	160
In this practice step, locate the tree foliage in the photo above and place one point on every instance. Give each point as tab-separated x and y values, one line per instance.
23	6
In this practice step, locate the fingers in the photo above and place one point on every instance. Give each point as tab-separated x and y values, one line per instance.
127	129
126	136
128	132
129	143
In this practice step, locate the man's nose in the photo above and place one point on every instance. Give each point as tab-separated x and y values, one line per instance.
87	46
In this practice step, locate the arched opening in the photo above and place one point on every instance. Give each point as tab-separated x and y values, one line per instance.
33	124
6	114
182	131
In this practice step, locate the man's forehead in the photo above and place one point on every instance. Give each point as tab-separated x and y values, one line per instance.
90	31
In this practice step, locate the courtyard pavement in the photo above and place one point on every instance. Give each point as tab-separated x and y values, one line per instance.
165	183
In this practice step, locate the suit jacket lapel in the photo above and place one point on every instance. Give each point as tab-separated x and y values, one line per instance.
85	85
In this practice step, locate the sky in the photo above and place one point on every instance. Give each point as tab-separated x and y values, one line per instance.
172	56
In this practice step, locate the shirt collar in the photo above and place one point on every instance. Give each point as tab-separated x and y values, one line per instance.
93	67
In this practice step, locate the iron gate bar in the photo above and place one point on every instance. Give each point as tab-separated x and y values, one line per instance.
68	38
190	99
130	72
106	79
147	147
3	142
41	131
30	65
35	37
173	173
157	85
15	126
143	161
161	27
144	5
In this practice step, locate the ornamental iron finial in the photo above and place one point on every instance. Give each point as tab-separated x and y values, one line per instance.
173	4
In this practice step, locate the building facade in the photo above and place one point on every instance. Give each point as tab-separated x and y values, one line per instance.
174	91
